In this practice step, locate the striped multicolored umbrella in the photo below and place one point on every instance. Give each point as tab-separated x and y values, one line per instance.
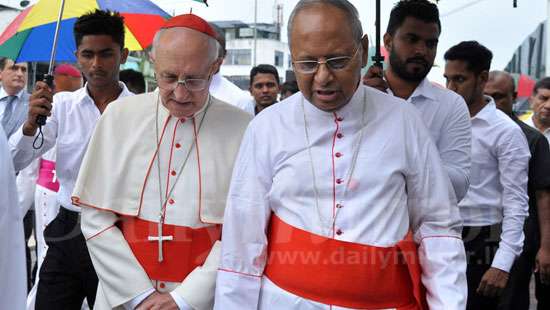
30	36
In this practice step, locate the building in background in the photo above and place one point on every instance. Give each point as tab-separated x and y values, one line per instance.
530	56
242	44
528	64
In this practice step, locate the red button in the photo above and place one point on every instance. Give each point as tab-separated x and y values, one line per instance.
178	145
339	232
182	120
171	201
339	206
162	285
339	136
338	154
339	118
339	181
173	173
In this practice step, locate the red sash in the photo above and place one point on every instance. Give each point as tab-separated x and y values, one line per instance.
46	175
188	249
344	274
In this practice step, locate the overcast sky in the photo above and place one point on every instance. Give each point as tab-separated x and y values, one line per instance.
494	23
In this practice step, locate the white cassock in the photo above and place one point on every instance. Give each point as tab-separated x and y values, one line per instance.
222	89
13	272
44	193
121	194
398	185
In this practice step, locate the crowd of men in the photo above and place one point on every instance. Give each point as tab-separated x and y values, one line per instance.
350	191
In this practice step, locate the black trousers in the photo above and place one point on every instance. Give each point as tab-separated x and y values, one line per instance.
67	275
516	296
28	225
480	244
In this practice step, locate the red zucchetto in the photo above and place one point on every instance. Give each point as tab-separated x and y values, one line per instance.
190	21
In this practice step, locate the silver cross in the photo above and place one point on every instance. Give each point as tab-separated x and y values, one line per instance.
160	238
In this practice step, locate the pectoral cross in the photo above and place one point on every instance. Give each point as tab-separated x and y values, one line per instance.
160	238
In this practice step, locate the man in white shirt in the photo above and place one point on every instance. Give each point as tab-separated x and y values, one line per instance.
67	275
332	179
13	287
14	99
496	205
411	40
540	103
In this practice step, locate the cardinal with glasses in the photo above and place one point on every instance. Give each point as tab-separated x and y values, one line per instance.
339	199
154	181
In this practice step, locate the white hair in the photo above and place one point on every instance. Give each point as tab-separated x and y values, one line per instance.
344	5
213	46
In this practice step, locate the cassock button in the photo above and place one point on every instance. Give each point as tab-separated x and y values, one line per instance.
339	232
339	118
339	136
171	201
339	206
162	285
182	120
178	145
173	173
339	181
338	154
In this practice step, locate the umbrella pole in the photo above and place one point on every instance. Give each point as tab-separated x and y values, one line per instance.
41	119
55	38
378	58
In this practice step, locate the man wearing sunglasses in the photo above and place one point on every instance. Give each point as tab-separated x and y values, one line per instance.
330	181
411	40
154	181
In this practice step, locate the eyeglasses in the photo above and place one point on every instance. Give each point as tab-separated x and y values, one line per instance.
335	63
171	83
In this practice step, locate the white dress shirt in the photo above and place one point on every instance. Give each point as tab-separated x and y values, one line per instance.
498	187
398	184
222	89
13	284
531	123
3	100
73	119
446	115
17	113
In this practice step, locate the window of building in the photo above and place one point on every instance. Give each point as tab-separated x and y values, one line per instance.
230	34
239	57
279	58
246	33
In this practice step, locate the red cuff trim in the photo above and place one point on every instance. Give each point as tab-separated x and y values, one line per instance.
76	201
441	236
240	273
100	232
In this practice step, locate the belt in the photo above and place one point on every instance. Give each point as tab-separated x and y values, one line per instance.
46	175
187	249
343	273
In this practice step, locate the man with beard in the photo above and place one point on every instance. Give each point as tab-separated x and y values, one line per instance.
411	40
67	275
496	204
